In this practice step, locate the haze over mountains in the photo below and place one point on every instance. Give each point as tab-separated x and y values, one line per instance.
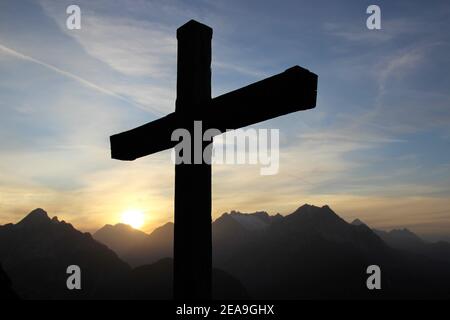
135	246
406	240
310	253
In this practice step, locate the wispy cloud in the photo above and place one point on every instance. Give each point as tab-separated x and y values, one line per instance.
69	75
145	49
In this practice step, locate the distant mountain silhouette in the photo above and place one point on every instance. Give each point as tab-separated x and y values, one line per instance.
313	253
405	239
113	237
358	222
137	247
401	239
37	251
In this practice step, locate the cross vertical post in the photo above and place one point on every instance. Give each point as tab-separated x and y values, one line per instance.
292	90
192	236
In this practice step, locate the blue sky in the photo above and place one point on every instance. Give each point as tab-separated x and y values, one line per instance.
376	147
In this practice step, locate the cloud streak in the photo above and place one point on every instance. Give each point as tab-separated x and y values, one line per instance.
69	75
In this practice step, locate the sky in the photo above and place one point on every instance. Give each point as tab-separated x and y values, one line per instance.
376	147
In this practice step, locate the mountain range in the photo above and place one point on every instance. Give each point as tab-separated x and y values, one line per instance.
135	246
36	252
311	253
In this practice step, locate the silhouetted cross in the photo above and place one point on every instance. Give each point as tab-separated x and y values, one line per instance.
292	90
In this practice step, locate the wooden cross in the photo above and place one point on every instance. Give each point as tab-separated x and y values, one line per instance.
292	90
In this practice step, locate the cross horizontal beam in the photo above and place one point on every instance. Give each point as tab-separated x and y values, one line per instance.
292	90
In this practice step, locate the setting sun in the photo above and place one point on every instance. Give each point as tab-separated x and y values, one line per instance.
134	218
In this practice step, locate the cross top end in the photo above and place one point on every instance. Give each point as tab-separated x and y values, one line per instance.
194	27
293	90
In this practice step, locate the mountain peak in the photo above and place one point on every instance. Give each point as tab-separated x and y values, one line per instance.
311	210
118	230
164	231
405	233
358	222
121	226
119	237
315	215
249	221
35	217
38	212
306	206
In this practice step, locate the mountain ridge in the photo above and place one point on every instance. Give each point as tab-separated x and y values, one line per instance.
36	252
311	253
255	246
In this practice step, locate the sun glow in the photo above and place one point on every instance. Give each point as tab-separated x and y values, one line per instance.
134	218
